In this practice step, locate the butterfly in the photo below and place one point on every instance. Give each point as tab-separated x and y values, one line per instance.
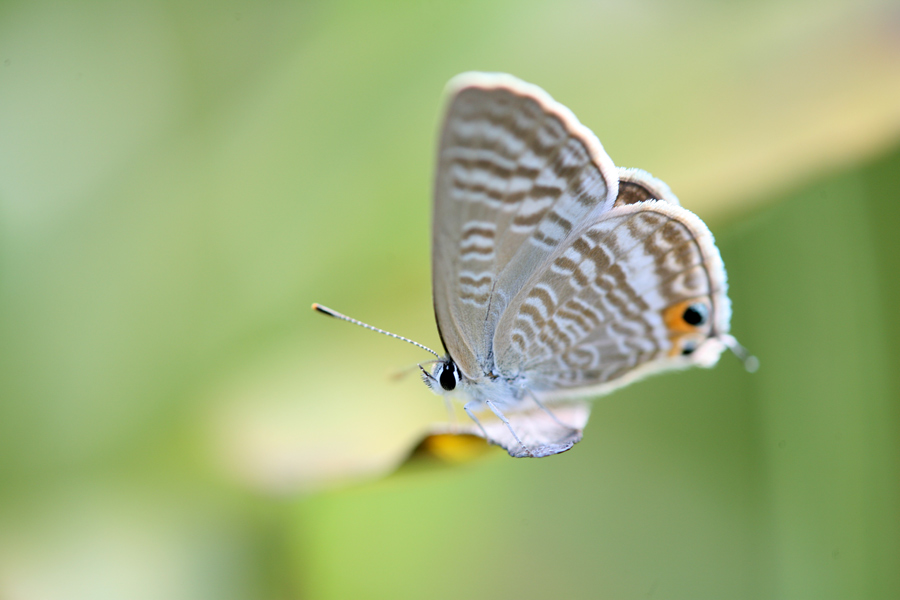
557	276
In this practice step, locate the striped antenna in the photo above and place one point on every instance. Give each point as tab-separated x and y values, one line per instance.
333	313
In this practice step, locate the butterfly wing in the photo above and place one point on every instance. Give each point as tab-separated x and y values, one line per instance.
636	186
516	173
610	305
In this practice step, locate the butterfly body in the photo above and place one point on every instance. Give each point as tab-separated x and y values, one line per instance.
505	392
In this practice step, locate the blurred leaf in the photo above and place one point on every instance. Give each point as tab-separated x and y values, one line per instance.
178	181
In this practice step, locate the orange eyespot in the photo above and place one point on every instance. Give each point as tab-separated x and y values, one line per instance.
686	322
687	316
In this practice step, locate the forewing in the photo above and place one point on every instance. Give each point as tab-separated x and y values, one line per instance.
516	173
609	305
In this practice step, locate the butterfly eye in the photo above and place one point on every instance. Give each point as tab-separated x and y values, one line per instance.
689	347
448	377
696	315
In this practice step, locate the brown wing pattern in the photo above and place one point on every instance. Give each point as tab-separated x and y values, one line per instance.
516	174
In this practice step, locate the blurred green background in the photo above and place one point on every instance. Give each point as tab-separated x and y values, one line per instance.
180	180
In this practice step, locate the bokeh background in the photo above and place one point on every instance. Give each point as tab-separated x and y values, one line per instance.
180	180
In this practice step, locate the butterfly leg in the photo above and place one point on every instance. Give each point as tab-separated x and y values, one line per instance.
547	410
503	418
468	409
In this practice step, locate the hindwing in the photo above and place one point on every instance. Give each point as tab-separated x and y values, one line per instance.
640	289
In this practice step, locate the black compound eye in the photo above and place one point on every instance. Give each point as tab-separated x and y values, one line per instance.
696	314
688	348
447	377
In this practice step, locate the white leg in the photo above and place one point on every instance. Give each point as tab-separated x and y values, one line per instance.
503	418
547	410
468	410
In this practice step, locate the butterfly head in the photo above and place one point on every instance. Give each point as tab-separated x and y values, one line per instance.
444	377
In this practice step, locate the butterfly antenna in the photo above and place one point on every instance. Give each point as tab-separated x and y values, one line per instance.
751	363
333	313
